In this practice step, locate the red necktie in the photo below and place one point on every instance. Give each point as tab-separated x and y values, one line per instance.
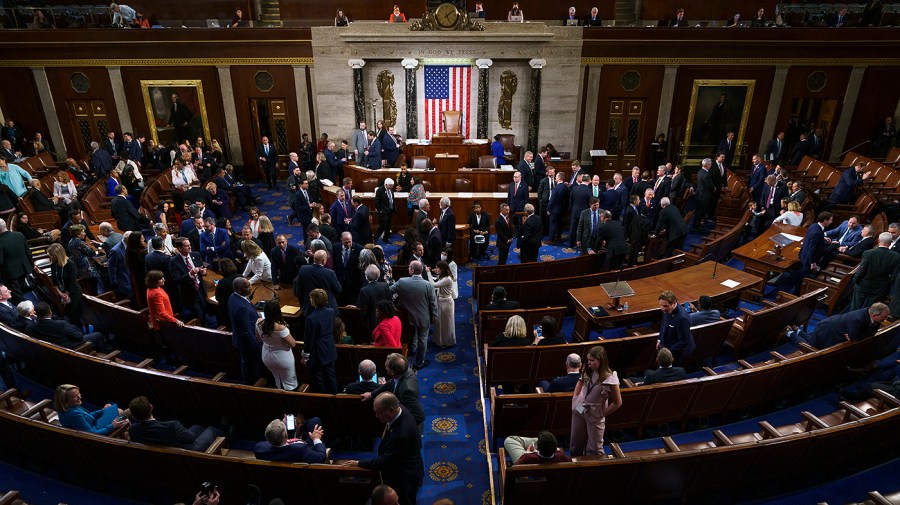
346	211
516	191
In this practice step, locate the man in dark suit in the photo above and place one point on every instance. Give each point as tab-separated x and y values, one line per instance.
504	233
127	218
517	198
705	313
101	161
530	240
727	146
623	192
268	162
594	18
112	146
421	215
147	430
866	241
875	274
319	353
588	226
384	204
775	149
402	382
672	223
214	242
315	276
662	184
8	152
540	165
800	149
812	253
341	212
367	382
609	199
706	189
345	261
649	207
373	152
447	223
16	261
60	331
719	173
853	326
11	133
306	447
846	186
243	317
157	259
434	244
816	143
185	276
499	301
370	294
666	372
757	177
284	261
679	20
769	201
556	207
302	207
675	329
524	168
641	186
132	148
479	226
611	238
565	383
579	201
797	193
400	452
359	225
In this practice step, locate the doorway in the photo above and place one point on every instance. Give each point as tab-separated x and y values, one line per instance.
268	118
624	137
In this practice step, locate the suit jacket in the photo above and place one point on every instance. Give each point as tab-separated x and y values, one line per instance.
830	331
798	196
704	317
857	250
779	193
185	294
359	225
670	219
15	256
55	331
420	216
127	218
483	224
383	203
447	226
564	384
164	433
640	187
407	391
504	232
543	191
10	317
314	276
433	246
724	147
338	214
400	453
774	152
133	149
757	179
527	175
649	210
156	260
609	200
347	273
661	187
813	246
517	200
540	168
503	305
219	241
416	296
298	452
671	374
369	295
675	335
374	159
284	267
119	276
843	193
853	236
705	186
360	141
112	146
532	232
877	271
243	317
579	199
612	233
101	162
583	233
800	150
318	338
557	203
271	159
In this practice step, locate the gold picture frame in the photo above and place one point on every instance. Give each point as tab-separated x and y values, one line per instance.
191	121
709	120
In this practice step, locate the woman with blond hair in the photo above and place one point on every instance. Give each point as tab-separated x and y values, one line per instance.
220	201
791	216
596	396
515	334
266	233
64	275
64	190
73	415
253	222
259	268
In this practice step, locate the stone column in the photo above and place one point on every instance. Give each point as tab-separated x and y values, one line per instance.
769	125
851	95
232	128
589	115
534	104
484	66
665	102
55	132
118	88
412	99
359	92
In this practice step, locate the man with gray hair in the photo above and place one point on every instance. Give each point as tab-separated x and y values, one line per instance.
875	274
672	225
370	294
316	276
530	240
416	296
110	237
705	191
853	325
424	207
101	161
25	309
447	223
565	383
666	372
384	204
306	447
367	382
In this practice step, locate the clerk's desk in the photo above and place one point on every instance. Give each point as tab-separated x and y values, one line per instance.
483	180
260	292
460	152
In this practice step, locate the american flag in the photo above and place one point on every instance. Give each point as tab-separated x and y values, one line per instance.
447	87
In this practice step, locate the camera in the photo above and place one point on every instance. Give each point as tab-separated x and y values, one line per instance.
207	488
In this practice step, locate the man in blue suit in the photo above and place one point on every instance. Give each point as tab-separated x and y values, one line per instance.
775	149
243	333
565	383
268	162
132	148
119	276
341	212
101	161
727	146
854	325
846	187
517	198
757	177
675	329
373	152
307	447
812	254
345	261
186	273
214	242
315	276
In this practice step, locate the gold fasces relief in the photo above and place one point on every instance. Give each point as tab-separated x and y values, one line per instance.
385	84
508	85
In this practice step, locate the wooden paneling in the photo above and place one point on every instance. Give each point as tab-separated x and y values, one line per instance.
132	77
611	87
797	87
175	9
242	79
20	102
761	92
878	98
696	10
63	93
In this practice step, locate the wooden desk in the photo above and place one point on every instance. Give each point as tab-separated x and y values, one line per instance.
261	292
483	180
467	153
688	284
759	258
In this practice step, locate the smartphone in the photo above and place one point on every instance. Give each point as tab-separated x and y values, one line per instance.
290	423
537	329
121	418
374	378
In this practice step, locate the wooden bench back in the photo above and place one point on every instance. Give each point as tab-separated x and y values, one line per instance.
767	324
543	270
493	322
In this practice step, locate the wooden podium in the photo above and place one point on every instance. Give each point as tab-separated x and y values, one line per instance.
448	152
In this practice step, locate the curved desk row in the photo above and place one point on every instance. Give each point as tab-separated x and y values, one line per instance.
480	179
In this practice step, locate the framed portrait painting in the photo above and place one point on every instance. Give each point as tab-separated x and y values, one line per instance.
176	111
718	107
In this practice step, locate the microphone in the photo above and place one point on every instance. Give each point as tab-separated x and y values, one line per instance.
714	269
260	305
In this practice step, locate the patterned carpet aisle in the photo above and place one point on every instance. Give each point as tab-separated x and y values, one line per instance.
454	448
